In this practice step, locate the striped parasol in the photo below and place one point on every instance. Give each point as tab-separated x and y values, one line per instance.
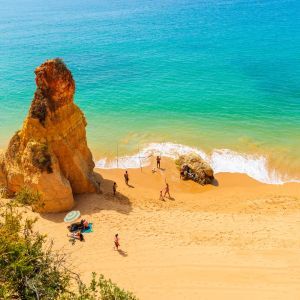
72	216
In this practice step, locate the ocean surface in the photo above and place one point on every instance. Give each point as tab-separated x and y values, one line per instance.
166	77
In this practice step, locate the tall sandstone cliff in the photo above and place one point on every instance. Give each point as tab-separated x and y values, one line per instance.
50	153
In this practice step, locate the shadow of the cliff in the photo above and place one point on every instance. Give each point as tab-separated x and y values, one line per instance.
89	204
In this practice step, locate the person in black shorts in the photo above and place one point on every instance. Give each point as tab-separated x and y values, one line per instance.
126	177
158	158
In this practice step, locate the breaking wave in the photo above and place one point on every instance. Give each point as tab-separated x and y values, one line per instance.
221	160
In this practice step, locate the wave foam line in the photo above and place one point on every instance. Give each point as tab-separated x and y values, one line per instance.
221	160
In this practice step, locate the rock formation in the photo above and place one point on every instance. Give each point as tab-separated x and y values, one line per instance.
193	167
50	153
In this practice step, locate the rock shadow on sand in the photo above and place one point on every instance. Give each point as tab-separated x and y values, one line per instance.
89	204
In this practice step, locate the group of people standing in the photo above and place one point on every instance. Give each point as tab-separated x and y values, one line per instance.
126	178
163	193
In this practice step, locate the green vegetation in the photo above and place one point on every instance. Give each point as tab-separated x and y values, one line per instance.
31	269
27	197
41	157
102	289
3	191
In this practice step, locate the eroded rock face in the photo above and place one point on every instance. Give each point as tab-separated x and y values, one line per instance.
50	153
193	167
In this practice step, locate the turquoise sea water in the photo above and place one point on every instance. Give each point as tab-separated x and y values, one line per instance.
209	74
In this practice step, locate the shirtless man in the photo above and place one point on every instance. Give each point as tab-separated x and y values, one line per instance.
126	177
167	190
158	159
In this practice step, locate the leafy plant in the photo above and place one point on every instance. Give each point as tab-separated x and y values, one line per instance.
3	192
28	197
101	289
41	157
28	269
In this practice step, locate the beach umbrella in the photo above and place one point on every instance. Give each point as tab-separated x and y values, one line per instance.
72	216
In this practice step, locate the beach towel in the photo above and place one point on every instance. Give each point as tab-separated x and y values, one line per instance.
88	229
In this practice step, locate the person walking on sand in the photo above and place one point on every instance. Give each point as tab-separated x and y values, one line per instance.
167	190
126	177
158	159
161	197
114	188
117	244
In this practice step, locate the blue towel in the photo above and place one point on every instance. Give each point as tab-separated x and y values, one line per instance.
89	229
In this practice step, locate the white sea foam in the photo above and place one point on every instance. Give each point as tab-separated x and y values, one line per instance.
221	160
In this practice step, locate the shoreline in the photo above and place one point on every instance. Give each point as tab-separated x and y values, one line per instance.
235	185
253	164
221	160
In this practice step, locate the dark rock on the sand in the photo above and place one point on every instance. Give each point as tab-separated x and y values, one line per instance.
193	167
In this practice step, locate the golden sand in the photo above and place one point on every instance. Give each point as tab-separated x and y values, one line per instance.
239	239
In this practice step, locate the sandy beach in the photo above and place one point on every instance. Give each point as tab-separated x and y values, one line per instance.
237	239
90	88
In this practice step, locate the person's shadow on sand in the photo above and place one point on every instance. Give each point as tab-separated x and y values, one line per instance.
131	186
123	253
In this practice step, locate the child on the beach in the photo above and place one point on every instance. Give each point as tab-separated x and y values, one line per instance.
117	244
161	197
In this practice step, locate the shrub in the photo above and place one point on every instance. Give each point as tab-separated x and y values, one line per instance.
28	270
27	197
41	157
102	289
3	192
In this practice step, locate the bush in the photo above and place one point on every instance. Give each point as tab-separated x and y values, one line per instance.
3	192
27	197
102	289
41	157
30	269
